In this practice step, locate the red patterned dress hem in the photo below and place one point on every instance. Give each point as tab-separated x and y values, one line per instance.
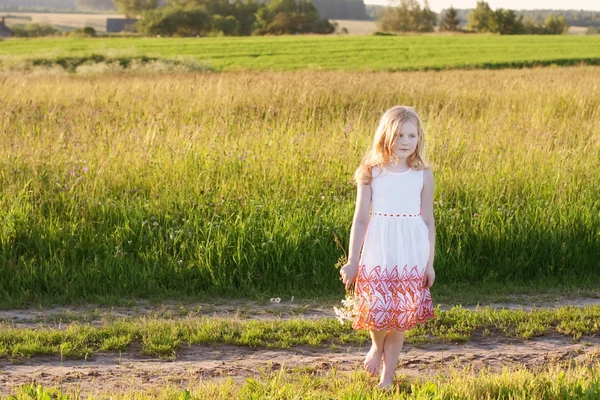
392	299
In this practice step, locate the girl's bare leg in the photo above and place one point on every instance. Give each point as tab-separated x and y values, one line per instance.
391	352
373	359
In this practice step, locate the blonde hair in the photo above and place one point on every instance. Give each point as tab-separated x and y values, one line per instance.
381	152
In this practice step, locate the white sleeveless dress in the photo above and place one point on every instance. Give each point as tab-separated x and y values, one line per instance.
389	285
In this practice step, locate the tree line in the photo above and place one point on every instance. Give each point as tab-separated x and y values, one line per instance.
507	22
222	17
410	16
332	9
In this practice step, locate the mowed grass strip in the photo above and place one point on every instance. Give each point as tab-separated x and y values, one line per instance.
369	53
161	337
556	383
238	184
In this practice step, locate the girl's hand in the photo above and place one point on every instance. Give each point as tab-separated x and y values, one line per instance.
428	277
348	273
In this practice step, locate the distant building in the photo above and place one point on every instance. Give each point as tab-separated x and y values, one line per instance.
5	30
120	24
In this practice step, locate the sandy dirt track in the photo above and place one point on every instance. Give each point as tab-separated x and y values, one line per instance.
108	373
114	373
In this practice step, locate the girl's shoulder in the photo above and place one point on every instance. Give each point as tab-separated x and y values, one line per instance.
376	171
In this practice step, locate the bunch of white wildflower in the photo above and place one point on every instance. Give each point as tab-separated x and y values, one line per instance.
349	309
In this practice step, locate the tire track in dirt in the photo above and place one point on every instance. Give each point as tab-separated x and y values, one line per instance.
107	373
240	309
110	373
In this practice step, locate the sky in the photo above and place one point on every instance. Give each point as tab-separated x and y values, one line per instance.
438	5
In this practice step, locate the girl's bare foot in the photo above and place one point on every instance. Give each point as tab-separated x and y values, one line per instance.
373	360
386	382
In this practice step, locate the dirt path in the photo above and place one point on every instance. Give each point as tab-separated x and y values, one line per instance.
108	373
245	309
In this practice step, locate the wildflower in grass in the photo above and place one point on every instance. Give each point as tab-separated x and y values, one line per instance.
275	299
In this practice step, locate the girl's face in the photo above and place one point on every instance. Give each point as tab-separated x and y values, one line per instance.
405	142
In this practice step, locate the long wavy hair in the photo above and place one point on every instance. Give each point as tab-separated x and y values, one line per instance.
381	152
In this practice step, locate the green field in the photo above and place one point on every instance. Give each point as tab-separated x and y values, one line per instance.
369	53
238	184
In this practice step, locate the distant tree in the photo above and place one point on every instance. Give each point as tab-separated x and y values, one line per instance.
228	25
88	31
170	21
532	28
395	19
480	18
506	22
556	25
131	8
407	16
245	15
450	20
221	10
279	17
427	20
35	30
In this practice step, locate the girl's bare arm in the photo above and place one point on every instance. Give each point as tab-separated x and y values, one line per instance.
358	231
359	223
427	214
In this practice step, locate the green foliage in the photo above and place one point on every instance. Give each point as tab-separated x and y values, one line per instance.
407	16
556	25
238	18
227	18
227	25
481	18
279	17
592	31
532	28
35	30
171	21
132	8
506	22
450	20
83	32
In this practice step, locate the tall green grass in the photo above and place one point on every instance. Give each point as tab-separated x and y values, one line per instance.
357	53
238	184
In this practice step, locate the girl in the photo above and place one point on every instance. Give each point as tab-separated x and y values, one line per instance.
395	270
